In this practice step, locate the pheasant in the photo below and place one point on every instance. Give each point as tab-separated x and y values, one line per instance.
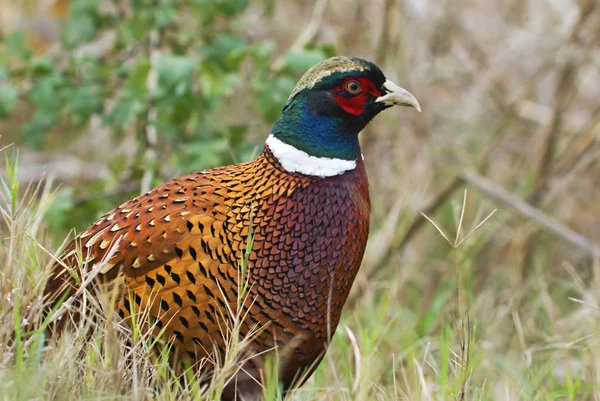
303	205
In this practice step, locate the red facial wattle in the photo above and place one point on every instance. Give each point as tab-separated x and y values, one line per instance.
355	103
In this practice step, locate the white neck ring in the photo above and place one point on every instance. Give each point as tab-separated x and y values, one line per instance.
295	160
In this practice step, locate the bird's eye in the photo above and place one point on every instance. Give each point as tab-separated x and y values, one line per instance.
353	87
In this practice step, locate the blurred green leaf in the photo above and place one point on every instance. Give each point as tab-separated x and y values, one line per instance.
125	110
58	214
135	29
35	130
82	23
9	95
226	51
272	95
83	101
17	45
78	29
301	60
216	82
45	92
85	6
211	9
41	65
139	76
206	155
165	15
173	69
3	73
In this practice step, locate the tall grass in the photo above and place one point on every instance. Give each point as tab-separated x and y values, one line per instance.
434	333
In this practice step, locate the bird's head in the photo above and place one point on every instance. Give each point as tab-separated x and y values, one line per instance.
331	104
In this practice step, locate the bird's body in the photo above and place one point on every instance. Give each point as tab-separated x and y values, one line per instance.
305	205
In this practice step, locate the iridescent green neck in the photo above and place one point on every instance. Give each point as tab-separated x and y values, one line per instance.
302	126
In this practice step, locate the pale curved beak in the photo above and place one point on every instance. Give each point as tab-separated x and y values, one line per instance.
397	96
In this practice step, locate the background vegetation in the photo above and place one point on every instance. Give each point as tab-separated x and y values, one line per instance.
106	99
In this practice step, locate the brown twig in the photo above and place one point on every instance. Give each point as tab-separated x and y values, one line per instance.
545	221
564	93
575	152
580	145
549	132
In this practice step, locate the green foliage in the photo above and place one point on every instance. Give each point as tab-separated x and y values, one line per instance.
82	25
9	95
180	67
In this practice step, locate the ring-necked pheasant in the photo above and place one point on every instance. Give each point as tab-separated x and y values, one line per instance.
305	200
